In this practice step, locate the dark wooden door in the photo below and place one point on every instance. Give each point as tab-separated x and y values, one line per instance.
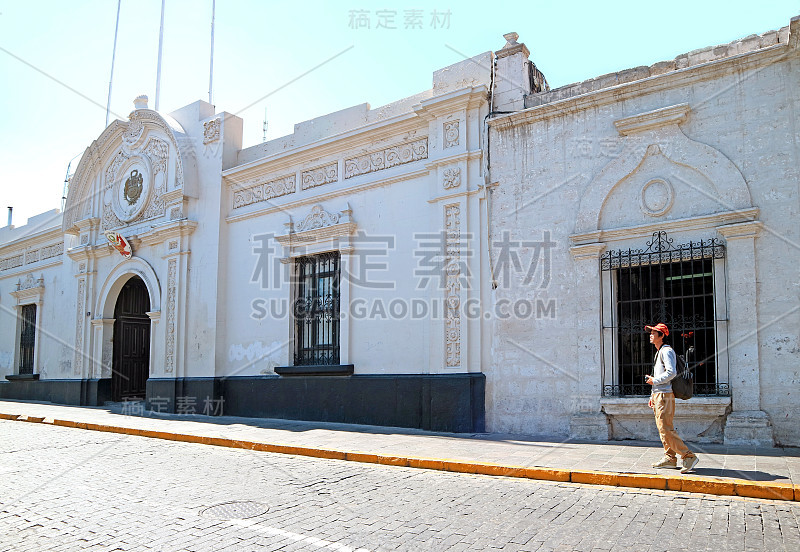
131	362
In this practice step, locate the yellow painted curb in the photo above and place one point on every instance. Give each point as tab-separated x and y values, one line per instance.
643	481
707	486
547	474
595	477
685	483
773	491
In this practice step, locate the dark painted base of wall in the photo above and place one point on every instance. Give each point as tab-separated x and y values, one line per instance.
94	392
451	402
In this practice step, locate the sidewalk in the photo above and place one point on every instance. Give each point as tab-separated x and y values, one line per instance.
772	473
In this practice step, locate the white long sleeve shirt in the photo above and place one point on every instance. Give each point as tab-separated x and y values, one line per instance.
665	369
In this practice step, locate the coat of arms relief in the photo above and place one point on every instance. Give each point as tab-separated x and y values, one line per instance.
135	182
133	187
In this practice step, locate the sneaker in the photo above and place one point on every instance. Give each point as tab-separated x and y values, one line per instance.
666	462
689	463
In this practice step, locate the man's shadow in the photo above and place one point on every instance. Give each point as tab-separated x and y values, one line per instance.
749	475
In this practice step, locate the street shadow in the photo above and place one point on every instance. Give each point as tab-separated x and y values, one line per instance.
748	475
520	441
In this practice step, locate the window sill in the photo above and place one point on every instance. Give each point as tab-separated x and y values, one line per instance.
316	370
22	377
635	407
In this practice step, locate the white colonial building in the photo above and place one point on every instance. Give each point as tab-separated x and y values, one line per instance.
480	256
667	193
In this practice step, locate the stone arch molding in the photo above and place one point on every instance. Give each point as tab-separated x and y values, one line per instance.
158	140
657	133
109	292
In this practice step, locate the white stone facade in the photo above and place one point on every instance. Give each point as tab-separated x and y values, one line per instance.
702	147
469	224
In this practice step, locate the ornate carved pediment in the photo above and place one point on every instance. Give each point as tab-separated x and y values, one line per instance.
319	228
662	175
29	289
131	166
317	218
30	282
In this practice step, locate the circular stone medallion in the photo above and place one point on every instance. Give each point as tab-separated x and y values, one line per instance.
657	197
131	191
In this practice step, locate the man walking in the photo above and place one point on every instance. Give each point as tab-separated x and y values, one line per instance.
662	401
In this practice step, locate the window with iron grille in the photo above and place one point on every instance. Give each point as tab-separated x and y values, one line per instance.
670	284
27	339
316	310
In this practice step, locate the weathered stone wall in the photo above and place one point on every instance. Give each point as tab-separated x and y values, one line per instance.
550	163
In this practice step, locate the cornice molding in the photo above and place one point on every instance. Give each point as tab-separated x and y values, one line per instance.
326	149
454	158
740	230
317	235
463	193
587	251
86	252
162	232
649	85
714	220
467	98
672	115
346	143
38	238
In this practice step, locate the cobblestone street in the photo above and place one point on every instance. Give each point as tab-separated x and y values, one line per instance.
70	489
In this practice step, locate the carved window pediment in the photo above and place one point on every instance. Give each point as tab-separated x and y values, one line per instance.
319	229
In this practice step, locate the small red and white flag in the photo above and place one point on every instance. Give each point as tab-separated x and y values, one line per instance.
119	243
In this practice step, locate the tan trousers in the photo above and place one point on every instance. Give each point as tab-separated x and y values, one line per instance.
664	409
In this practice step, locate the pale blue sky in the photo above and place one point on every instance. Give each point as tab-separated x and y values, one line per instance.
262	46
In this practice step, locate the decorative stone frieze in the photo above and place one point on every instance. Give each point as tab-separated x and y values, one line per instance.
31	256
263	191
452	270
451	178
319	176
211	130
172	287
12	262
386	158
51	251
451	134
80	316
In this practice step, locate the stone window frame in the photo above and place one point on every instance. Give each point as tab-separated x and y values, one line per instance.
610	335
325	234
32	295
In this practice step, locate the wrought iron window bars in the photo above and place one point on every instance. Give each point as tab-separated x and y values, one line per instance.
667	283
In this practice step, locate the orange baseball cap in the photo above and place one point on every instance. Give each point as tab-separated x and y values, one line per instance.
660	327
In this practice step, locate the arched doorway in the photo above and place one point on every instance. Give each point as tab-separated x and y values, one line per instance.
131	359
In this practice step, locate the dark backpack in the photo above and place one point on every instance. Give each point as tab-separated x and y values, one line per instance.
683	383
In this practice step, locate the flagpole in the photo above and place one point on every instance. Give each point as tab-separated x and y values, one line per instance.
160	45
113	57
211	68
